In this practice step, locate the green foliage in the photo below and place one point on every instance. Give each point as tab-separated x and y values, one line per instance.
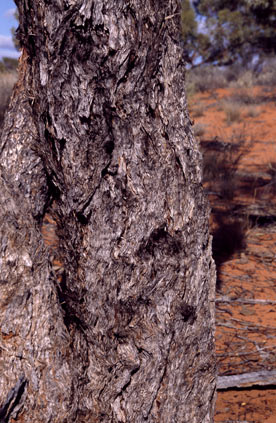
189	28
231	30
195	42
189	24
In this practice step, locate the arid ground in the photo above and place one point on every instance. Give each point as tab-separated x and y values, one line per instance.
236	128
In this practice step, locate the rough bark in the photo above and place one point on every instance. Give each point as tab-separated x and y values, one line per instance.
98	134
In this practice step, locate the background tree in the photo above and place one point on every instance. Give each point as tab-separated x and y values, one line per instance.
230	30
196	44
98	135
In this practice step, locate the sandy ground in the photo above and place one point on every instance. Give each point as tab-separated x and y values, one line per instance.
246	324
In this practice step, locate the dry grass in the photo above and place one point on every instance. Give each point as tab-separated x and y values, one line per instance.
252	111
245	80
232	111
221	159
221	181
209	78
203	79
269	188
267	78
198	111
199	129
7	81
246	97
267	74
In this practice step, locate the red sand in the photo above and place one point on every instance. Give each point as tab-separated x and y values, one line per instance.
246	333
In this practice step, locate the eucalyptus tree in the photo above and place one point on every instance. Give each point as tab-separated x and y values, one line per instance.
224	31
98	136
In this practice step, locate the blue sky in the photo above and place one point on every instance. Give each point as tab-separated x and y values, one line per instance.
7	20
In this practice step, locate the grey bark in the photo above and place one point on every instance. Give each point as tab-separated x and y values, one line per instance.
99	136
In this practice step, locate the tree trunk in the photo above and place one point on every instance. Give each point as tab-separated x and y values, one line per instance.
98	135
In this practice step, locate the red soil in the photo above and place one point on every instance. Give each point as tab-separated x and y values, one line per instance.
246	333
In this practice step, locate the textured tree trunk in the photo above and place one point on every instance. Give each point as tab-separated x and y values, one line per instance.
98	136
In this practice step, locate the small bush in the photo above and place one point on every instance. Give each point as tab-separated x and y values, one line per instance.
198	111
233	73
205	78
219	174
270	187
199	129
244	96
220	165
232	112
245	80
228	239
8	64
209	78
7	81
221	181
252	112
267	78
267	75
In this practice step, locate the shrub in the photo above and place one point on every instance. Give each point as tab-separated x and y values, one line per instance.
199	129
205	78
245	96
233	73
229	238
270	187
198	111
221	181
8	64
245	80
219	174
220	164
7	81
232	112
252	111
267	75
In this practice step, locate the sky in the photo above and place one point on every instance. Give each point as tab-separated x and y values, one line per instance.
7	21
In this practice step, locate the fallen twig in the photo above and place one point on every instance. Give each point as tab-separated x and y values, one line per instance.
226	299
244	380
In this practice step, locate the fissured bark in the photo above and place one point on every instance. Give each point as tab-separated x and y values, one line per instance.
98	135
